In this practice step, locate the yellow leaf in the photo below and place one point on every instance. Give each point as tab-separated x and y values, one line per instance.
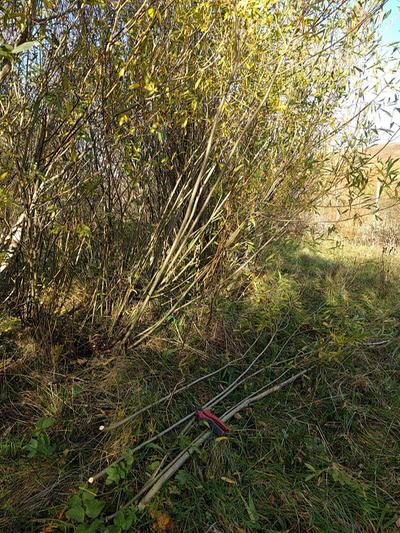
151	11
121	72
228	480
122	119
150	87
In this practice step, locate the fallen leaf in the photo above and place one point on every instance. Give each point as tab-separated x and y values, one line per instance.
162	522
228	480
398	523
272	499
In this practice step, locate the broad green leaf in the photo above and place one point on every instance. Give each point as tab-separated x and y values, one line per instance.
32	448
76	513
93	507
44	423
124	519
94	527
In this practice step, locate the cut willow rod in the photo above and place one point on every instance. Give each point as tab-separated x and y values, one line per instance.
214	401
189	416
176	463
155	478
171	394
181	458
254	374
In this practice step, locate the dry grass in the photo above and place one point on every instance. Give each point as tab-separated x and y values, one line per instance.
385	151
360	216
322	456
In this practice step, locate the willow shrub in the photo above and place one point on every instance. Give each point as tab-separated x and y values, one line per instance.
149	150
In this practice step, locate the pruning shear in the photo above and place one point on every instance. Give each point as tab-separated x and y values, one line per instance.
216	425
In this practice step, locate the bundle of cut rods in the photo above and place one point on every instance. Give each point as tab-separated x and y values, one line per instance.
217	425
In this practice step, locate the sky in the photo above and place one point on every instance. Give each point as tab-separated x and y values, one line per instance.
391	26
390	32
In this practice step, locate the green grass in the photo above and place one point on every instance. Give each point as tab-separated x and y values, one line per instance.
322	455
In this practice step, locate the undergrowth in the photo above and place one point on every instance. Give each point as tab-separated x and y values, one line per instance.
322	455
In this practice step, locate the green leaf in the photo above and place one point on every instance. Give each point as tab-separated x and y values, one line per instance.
124	521
183	477
24	47
113	474
83	231
76	513
44	447
87	495
82	528
32	447
44	423
113	529
92	528
93	507
76	389
152	467
119	519
75	500
156	447
128	457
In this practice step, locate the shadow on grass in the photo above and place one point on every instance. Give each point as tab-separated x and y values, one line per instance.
323	455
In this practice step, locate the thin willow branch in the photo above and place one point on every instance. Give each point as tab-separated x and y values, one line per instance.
178	391
174	465
214	401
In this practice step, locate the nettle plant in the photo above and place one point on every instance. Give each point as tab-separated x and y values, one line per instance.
119	471
85	513
40	445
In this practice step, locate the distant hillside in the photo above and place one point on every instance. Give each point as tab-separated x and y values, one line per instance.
384	152
374	217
